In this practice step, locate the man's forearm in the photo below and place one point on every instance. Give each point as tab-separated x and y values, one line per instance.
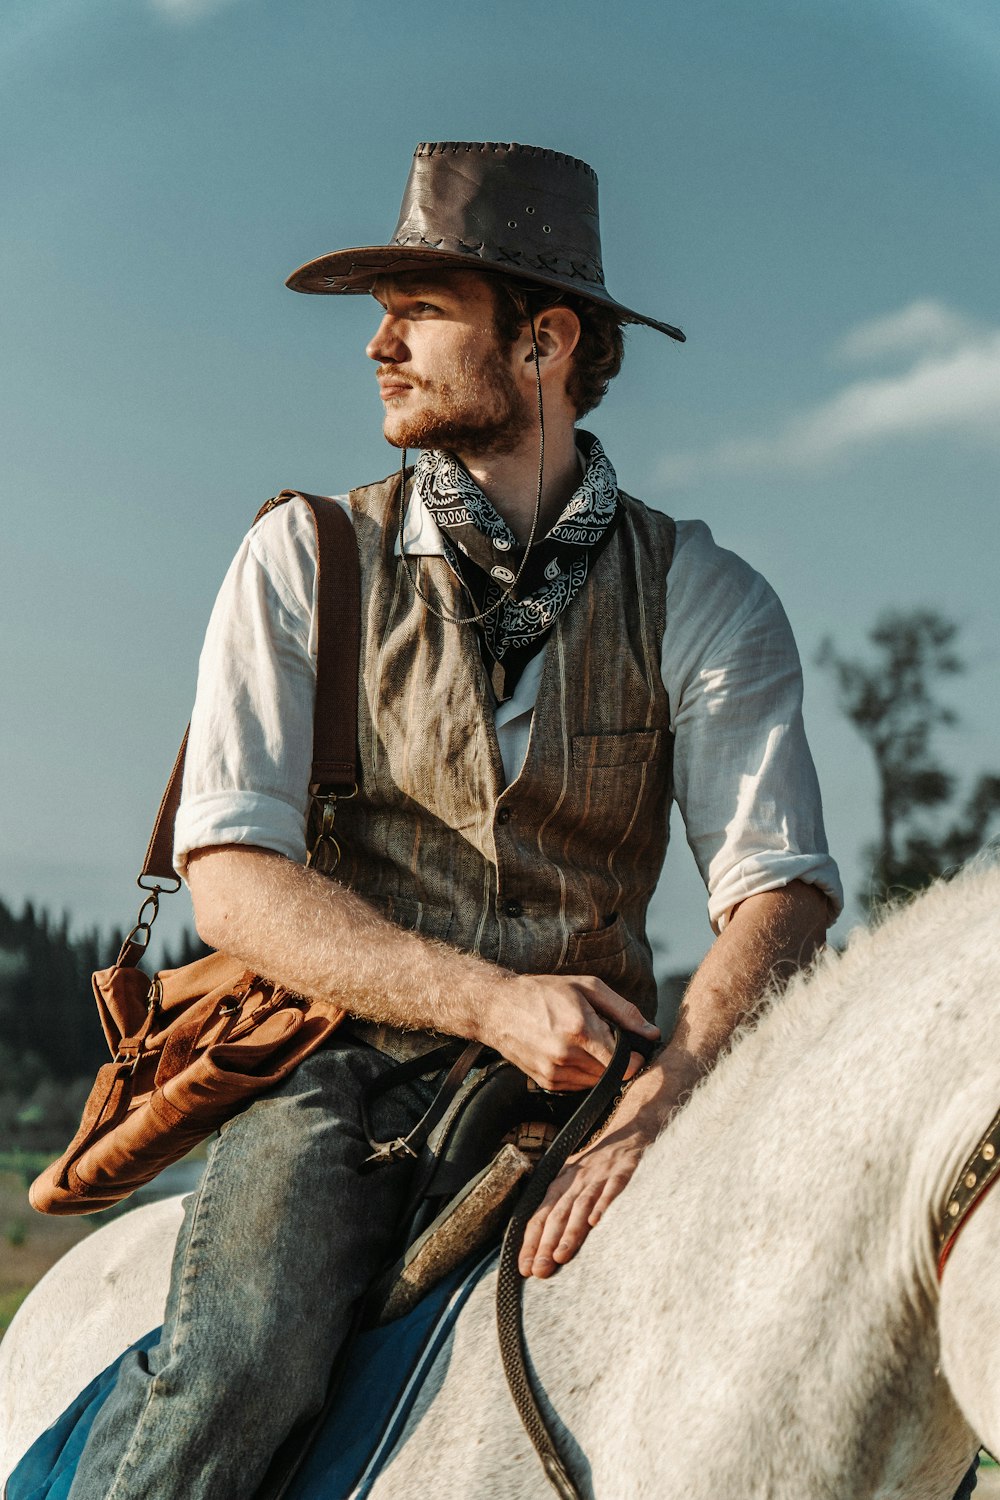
768	938
317	937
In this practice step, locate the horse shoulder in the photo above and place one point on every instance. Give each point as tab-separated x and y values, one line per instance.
464	1428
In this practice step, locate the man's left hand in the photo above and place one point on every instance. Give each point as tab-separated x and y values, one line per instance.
577	1199
593	1178
768	936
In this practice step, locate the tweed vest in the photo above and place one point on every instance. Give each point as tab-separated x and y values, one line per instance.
552	874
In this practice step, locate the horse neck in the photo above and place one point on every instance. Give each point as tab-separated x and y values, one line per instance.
867	1083
782	1225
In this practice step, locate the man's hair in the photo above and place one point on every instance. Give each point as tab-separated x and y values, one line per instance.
598	356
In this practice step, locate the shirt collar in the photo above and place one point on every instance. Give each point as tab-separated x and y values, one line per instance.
421	533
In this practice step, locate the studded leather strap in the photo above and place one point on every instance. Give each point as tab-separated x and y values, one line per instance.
980	1173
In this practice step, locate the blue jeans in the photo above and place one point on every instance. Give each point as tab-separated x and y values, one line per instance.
277	1245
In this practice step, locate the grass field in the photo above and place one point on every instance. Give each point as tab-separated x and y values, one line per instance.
988	1485
29	1242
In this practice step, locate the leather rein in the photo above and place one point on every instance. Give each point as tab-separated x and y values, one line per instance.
510	1284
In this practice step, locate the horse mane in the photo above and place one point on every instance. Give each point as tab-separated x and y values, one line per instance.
900	975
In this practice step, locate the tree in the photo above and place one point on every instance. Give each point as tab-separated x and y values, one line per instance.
893	706
47	1008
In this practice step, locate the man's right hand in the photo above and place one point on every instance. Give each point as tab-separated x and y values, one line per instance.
554	1027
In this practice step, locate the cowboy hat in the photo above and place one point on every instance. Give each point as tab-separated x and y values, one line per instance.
484	205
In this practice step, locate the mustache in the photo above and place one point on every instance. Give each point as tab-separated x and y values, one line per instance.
395	372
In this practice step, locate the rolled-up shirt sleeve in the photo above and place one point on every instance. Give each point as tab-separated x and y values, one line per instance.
249	752
744	778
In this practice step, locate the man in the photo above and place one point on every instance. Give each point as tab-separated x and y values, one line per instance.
544	663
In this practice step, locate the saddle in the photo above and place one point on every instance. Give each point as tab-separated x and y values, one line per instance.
473	1150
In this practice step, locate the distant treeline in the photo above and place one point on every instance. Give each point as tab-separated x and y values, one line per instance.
50	1034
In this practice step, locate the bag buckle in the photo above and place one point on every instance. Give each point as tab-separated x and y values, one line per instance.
129	1055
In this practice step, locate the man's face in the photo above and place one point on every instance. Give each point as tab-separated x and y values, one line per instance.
444	376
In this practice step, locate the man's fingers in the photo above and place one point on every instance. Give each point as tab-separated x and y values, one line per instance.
555	1233
545	1228
535	1255
575	1230
573	1205
615	1184
600	1042
529	1245
567	1039
621	1011
586	1072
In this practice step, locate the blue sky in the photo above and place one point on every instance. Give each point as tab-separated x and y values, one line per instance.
809	190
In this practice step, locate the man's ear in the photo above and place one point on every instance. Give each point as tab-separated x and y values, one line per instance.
557	333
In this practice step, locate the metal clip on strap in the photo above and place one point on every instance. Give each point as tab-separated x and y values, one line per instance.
408	1146
324	855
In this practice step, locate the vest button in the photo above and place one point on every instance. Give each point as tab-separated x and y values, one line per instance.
512	908
504	815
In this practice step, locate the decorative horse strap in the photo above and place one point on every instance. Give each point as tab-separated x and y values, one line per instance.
980	1173
581	1125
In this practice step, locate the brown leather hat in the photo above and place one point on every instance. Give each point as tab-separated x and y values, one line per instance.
483	205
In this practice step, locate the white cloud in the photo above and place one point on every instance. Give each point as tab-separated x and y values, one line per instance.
953	390
921	326
188	10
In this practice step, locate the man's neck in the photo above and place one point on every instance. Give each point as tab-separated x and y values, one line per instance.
510	480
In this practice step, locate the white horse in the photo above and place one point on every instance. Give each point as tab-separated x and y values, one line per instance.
758	1317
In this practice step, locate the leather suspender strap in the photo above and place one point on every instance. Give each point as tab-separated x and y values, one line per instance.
338	605
335	726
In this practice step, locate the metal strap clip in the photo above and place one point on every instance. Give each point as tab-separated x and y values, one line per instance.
326	852
389	1151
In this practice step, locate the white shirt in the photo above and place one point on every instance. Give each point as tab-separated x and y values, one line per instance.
744	779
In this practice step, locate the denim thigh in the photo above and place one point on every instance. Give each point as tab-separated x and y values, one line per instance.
280	1240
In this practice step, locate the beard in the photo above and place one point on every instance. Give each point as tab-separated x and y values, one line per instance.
477	411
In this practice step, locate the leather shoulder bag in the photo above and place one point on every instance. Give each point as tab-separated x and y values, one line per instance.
191	1046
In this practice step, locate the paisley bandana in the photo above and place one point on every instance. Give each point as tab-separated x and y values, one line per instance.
484	553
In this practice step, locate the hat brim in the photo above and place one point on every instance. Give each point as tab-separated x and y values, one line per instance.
347	272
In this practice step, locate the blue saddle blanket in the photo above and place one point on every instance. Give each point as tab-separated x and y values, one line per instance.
385	1370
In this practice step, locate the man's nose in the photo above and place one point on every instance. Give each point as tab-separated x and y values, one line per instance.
387	347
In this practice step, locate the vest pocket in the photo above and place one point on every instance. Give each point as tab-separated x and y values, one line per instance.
415	916
598	943
634	747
